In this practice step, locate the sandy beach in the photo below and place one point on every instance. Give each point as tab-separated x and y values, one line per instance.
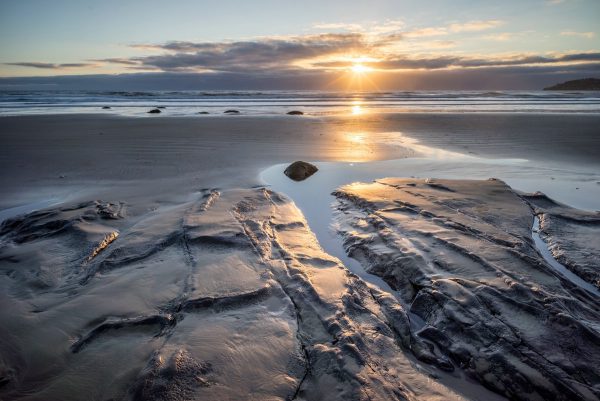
170	258
66	153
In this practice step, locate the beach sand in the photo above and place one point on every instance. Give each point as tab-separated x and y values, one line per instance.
62	155
147	258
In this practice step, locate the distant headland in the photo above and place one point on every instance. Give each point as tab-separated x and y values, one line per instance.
587	84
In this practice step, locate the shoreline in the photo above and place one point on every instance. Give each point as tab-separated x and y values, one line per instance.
115	150
162	243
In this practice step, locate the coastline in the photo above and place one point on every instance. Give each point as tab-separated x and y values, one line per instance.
66	153
160	249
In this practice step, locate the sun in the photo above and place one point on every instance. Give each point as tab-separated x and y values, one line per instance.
359	68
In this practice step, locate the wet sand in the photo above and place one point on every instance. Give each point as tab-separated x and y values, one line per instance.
156	265
62	155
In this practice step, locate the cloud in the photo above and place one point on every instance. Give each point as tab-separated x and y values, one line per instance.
500	37
389	48
339	26
116	60
325	52
588	35
372	29
253	55
507	77
528	60
446	61
332	51
424	32
471	26
388	26
50	66
474	26
438	44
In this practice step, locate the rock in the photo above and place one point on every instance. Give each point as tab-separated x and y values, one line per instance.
105	107
154	111
588	84
459	254
232	112
299	170
295	113
203	112
160	107
311	326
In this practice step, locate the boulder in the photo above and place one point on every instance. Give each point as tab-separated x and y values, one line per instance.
299	170
105	107
203	112
154	111
232	112
295	113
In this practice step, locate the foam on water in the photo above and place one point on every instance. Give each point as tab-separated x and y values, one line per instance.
185	103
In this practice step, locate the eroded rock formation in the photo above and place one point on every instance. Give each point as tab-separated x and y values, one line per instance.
461	255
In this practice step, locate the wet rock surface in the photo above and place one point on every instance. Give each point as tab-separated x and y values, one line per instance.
573	236
299	170
461	256
226	296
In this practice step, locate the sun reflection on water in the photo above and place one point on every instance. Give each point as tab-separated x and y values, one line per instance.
357	108
358	148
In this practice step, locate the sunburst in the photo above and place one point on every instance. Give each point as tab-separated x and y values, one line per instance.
359	68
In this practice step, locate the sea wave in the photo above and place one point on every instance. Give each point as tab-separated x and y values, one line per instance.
277	102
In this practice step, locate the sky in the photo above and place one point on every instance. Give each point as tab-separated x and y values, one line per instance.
325	44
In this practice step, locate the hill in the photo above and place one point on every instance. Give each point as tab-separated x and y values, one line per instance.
587	84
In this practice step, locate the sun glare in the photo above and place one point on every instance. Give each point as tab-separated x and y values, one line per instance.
358	68
356	107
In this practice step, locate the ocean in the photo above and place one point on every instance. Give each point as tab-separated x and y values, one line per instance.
187	103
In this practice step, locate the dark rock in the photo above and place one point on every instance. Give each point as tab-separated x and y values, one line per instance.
160	107
295	113
300	170
588	84
515	339
203	112
232	112
105	107
154	111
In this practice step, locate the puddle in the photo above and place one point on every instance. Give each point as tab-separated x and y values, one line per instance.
568	185
313	197
542	248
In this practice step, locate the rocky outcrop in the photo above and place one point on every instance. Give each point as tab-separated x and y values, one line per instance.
571	234
154	111
587	84
227	296
461	256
